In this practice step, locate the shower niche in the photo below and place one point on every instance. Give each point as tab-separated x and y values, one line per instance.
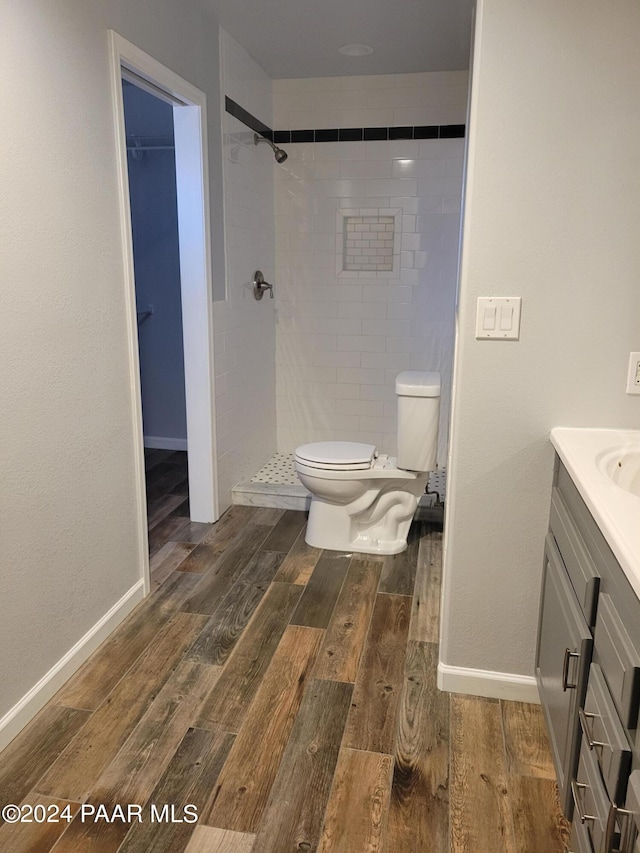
368	242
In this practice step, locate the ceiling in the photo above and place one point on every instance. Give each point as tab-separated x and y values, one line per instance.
300	38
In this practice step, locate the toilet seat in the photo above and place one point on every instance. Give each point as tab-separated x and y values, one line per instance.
388	471
336	455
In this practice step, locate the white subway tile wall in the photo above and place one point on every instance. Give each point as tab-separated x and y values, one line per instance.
343	336
244	329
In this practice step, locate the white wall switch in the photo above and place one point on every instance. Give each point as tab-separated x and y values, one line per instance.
633	374
498	318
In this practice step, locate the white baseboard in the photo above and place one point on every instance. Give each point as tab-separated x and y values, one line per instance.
483	682
161	442
23	711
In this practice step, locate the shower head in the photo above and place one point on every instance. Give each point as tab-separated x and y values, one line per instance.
278	153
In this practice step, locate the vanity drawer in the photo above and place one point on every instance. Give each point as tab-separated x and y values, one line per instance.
592	805
599	550
603	733
579	841
579	564
633	805
619	659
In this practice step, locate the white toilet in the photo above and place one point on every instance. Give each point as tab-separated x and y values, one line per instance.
364	501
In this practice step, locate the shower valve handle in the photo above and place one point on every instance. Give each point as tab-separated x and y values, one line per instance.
260	285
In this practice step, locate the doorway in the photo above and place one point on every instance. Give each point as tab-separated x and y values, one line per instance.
188	107
156	255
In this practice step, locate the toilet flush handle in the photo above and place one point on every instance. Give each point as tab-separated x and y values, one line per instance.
260	285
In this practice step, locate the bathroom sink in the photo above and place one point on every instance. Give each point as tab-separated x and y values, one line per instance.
622	466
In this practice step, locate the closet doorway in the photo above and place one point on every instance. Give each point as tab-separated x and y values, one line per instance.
173	400
153	200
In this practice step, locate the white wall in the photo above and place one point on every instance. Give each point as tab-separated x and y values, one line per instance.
244	336
377	100
552	215
342	339
67	505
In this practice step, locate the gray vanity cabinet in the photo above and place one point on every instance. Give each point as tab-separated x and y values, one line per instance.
562	662
588	675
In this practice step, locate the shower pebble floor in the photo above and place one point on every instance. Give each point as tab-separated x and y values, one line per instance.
279	469
276	484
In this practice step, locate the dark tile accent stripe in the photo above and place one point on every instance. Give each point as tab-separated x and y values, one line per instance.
350	134
302	135
426	132
400	133
246	118
331	135
374	133
451	131
344	134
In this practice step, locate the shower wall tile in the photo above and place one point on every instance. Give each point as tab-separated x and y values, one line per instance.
383	393
361	343
341	340
364	408
244	329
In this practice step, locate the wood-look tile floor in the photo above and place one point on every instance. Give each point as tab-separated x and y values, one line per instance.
289	695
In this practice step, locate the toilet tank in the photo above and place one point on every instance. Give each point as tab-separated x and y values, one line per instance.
418	395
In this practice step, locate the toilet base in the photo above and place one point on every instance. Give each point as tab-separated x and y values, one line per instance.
381	529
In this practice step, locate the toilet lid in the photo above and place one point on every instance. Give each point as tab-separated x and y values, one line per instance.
337	455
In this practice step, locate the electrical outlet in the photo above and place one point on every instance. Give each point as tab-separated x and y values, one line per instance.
633	375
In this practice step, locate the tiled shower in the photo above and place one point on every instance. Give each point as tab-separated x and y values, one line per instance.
366	235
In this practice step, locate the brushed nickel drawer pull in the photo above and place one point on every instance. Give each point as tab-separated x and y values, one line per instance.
575	791
609	835
568	654
584	717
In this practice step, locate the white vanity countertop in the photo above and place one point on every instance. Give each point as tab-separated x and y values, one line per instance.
616	511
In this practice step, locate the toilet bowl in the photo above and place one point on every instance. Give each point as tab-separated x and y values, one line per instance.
363	501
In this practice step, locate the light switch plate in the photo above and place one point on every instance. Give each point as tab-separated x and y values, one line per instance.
633	374
498	318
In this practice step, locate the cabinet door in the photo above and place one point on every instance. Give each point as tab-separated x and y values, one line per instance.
562	662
